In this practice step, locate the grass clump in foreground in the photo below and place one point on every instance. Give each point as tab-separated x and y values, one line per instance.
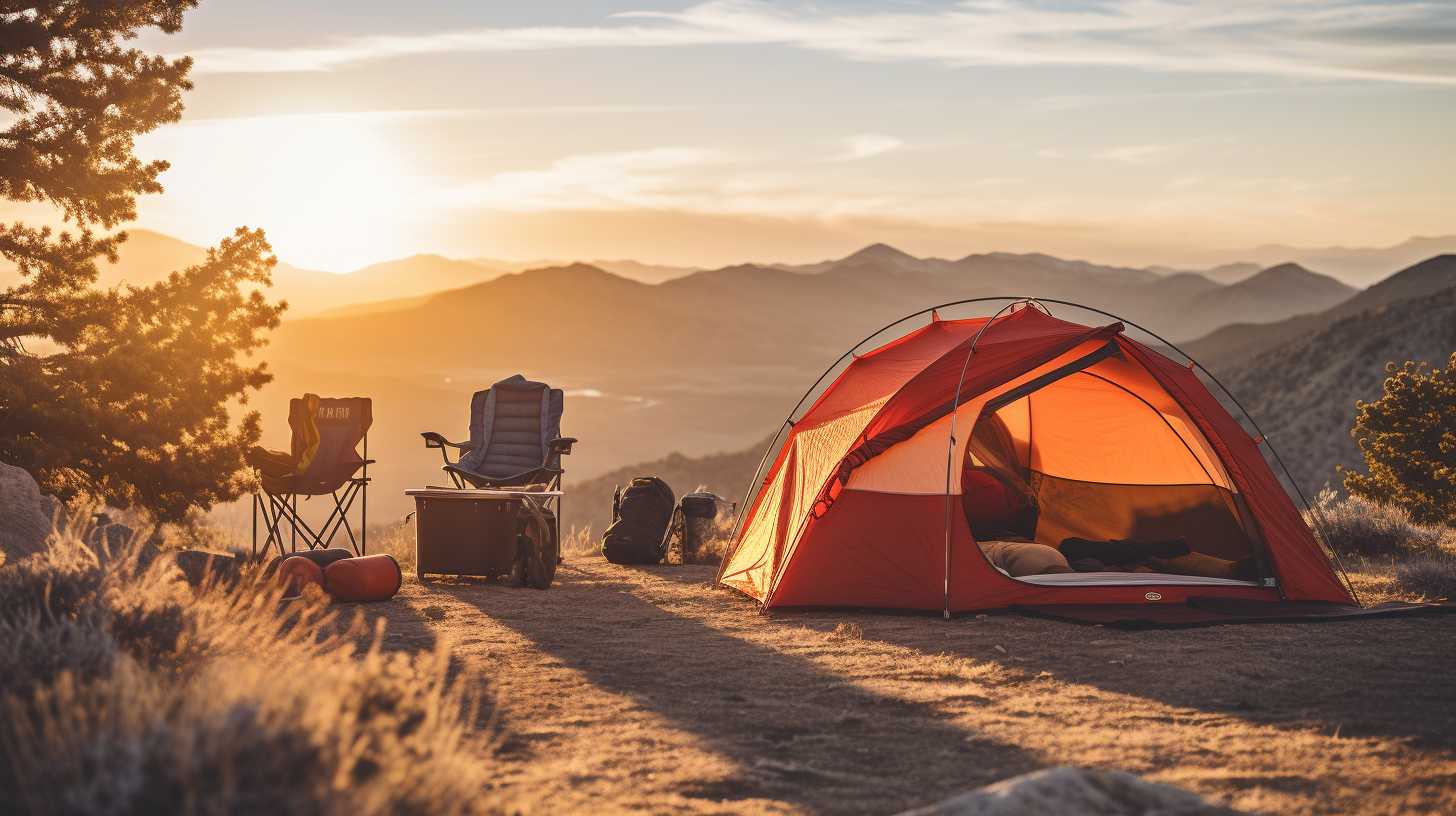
124	690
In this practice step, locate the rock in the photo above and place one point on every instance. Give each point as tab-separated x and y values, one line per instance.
112	539
24	523
113	535
1085	791
198	565
54	509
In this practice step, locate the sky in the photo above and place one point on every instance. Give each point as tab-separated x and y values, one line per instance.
707	133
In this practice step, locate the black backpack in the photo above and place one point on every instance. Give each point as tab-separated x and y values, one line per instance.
640	514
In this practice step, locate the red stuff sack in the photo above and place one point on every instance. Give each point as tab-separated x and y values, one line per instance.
366	578
297	572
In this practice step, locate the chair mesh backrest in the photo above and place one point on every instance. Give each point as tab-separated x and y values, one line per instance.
341	424
511	424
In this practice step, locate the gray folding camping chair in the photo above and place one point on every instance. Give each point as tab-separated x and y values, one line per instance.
515	441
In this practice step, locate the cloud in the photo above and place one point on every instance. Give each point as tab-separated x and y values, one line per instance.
867	145
592	181
1407	41
1137	154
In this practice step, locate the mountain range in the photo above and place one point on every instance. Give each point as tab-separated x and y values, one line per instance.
1356	266
1299	378
147	257
1231	346
664	360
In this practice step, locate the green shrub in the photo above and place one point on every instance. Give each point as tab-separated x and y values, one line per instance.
1408	439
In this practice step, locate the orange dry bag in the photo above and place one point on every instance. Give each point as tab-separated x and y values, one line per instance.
297	572
367	578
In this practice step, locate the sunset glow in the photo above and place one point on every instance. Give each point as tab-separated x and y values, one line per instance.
718	132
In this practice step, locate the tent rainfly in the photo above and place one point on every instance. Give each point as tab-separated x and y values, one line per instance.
862	505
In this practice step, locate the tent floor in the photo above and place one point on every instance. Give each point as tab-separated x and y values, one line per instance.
1129	579
1217	611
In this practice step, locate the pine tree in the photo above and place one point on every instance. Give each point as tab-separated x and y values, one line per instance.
1408	438
122	394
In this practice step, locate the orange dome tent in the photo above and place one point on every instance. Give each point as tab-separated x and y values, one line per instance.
861	506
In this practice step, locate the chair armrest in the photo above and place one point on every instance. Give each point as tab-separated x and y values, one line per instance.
434	440
563	444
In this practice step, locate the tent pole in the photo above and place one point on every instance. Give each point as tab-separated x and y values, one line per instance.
950	452
748	495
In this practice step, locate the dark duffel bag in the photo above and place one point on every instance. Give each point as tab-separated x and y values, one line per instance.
640	514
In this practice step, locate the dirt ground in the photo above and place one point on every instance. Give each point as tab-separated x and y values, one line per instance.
645	689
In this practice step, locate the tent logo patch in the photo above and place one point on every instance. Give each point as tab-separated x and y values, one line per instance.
1154	596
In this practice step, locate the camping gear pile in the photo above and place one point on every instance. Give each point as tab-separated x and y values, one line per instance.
501	517
648	527
341	574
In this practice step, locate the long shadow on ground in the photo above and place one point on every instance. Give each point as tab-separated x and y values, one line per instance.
803	735
1385	677
1391	677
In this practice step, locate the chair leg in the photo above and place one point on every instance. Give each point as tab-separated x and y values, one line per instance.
330	526
555	504
286	507
254	550
339	517
364	502
343	509
271	521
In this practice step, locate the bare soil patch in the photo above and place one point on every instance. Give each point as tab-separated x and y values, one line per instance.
646	689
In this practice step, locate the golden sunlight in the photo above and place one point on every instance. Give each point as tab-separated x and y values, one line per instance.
335	190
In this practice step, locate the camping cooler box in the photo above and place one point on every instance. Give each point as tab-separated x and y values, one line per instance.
468	532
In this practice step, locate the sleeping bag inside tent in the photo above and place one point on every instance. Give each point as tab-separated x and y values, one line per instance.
1020	460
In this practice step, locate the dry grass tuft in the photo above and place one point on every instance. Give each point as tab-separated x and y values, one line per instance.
1389	556
122	689
1356	526
847	631
1432	577
579	541
397	540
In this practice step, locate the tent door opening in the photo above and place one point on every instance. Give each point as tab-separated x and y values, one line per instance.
1092	474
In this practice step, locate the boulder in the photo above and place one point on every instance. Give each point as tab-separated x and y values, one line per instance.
198	566
110	535
54	509
24	523
1084	791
